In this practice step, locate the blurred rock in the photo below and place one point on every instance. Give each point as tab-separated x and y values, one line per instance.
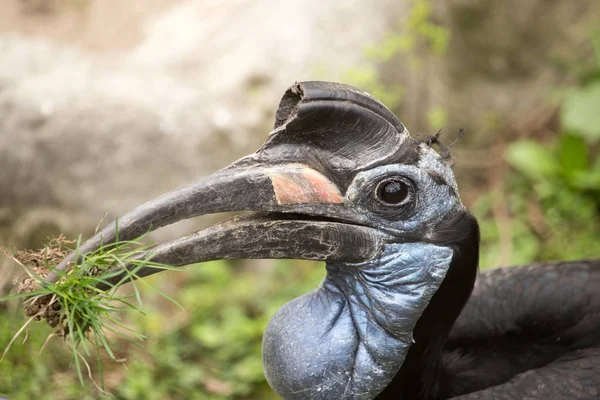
87	133
97	129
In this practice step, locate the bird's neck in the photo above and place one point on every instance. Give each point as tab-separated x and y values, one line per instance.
349	338
421	375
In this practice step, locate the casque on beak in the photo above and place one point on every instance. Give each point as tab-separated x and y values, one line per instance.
293	186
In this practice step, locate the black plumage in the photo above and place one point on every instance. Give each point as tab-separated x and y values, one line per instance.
529	332
526	332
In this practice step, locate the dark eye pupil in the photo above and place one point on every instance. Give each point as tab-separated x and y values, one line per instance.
393	192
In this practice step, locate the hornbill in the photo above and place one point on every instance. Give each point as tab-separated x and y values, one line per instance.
400	314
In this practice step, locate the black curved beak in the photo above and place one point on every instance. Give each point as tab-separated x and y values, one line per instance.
295	212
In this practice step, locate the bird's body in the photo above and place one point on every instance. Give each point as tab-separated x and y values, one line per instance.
402	313
527	332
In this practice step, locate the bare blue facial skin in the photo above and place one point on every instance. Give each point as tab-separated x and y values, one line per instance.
348	338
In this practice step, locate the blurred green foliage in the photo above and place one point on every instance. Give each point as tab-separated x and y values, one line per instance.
580	111
550	200
417	30
215	354
210	351
552	196
416	38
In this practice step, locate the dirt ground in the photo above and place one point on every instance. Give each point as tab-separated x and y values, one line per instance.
98	25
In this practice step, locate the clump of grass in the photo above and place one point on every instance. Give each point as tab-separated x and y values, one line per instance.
83	306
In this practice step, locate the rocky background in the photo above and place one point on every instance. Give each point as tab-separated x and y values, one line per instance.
106	104
98	115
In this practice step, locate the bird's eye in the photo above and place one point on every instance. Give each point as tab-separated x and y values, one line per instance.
394	191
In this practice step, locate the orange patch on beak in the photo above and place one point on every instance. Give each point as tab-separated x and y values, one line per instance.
304	185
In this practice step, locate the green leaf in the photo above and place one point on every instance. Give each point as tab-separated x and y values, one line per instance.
531	159
581	111
588	179
573	155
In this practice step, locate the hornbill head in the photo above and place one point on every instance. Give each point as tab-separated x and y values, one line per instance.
338	179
